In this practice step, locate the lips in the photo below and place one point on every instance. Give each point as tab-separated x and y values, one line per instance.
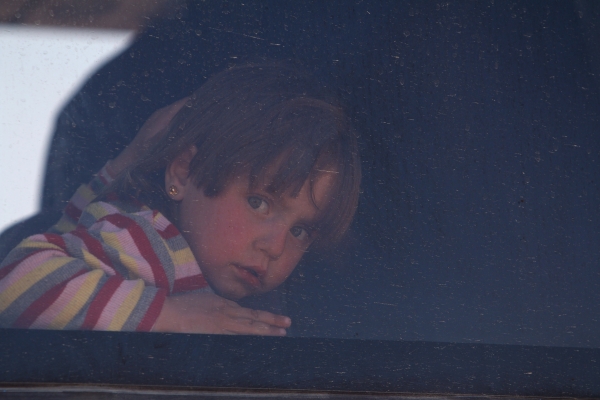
250	274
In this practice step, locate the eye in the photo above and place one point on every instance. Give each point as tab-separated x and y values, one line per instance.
299	232
258	204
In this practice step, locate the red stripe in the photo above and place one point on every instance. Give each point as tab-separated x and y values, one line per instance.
153	312
42	303
189	283
102	298
169	232
144	247
9	268
94	246
72	212
56	240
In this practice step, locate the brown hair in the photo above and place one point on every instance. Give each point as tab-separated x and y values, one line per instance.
249	119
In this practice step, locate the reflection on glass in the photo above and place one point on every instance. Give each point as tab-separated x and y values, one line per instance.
477	220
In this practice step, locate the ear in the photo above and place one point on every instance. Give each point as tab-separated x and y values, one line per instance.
177	174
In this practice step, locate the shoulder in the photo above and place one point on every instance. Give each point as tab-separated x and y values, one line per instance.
113	208
160	253
117	215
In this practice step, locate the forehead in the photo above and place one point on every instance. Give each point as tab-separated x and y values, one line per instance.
318	185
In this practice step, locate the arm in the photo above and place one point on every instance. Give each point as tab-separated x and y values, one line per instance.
56	280
148	134
43	286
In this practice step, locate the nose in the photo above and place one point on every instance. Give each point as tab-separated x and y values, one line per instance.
273	239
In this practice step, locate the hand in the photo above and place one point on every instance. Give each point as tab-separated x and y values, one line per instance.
209	313
149	133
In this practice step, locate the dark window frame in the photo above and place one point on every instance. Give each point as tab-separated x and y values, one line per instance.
296	364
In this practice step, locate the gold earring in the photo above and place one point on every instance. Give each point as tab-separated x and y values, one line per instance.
173	190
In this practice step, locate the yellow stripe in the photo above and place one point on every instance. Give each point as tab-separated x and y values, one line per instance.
91	259
39	245
87	193
97	210
113	240
77	301
64	225
26	282
127	307
182	256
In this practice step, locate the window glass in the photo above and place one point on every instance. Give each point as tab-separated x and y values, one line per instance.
476	123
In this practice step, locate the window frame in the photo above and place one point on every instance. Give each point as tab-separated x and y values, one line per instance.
295	364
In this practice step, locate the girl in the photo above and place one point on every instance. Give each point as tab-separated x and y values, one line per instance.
217	198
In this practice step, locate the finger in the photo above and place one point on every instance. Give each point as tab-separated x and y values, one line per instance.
174	108
264	317
273	319
159	120
243	326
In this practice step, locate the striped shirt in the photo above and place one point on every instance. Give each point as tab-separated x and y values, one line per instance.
103	266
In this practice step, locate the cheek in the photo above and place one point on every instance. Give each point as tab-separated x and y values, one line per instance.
232	226
208	230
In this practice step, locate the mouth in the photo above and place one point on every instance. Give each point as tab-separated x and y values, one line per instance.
251	275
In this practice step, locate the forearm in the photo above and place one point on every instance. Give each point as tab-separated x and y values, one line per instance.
42	287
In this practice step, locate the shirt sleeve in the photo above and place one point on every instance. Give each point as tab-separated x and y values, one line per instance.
70	278
53	281
104	266
84	195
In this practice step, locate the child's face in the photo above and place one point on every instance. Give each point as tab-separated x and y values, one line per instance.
248	241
